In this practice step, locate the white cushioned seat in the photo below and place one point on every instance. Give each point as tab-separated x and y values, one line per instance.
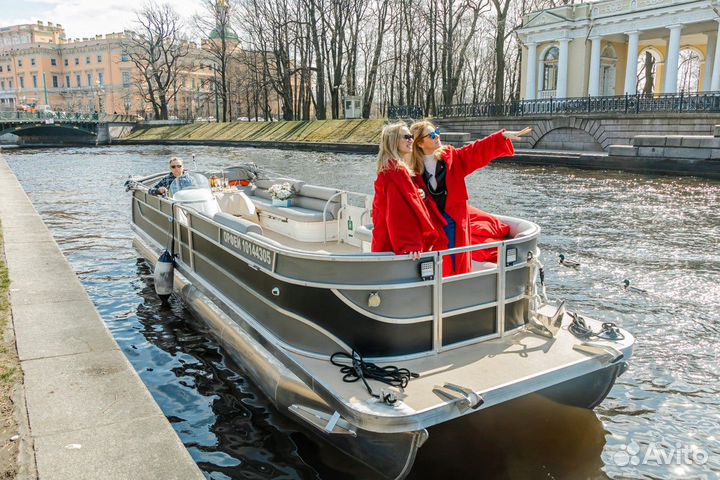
364	233
299	214
238	224
316	191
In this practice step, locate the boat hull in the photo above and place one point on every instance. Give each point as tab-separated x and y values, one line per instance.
391	455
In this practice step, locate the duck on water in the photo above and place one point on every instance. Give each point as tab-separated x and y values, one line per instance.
367	349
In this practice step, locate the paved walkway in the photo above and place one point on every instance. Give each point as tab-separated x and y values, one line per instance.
90	416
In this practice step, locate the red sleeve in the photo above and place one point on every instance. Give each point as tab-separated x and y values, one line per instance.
409	226
481	152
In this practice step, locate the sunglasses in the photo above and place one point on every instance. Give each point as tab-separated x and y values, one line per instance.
434	134
407	137
176	166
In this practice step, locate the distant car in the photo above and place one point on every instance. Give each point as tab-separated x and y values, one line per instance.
201	119
210	118
242	119
45	111
172	117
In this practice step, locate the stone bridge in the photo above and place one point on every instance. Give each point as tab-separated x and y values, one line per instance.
593	132
39	129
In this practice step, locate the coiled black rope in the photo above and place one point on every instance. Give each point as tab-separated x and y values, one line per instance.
580	328
358	369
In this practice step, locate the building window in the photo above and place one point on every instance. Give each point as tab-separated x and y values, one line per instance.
55	81
10	84
34	81
22	82
77	80
2	84
53	62
65	62
9	68
126	79
19	62
124	57
89	77
0	68
99	58
550	65
87	60
67	81
101	78
77	61
32	62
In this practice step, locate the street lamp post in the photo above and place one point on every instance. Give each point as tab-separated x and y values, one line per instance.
45	89
217	108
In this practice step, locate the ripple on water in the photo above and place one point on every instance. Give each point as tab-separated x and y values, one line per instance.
659	232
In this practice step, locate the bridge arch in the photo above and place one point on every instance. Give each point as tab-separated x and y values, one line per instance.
559	133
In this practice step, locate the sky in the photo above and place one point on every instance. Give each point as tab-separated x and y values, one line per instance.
82	18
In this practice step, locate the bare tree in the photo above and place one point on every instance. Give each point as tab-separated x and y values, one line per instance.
220	43
157	48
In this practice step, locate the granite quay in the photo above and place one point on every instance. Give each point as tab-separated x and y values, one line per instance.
83	410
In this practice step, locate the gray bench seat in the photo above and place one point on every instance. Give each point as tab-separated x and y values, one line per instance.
299	214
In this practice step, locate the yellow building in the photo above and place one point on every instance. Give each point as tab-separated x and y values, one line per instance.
614	47
40	66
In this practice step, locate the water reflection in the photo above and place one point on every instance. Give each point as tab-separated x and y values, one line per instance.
659	232
531	437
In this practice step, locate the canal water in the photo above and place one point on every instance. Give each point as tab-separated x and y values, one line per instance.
661	420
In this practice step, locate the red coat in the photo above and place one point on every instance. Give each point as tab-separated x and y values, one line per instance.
461	163
401	222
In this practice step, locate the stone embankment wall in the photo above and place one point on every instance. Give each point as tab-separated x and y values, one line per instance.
587	133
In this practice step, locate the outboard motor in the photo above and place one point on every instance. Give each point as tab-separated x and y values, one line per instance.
163	276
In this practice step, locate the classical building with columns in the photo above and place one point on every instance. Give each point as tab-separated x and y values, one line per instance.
614	47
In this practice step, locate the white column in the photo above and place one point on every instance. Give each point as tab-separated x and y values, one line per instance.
715	82
561	91
671	63
594	83
632	61
709	60
531	84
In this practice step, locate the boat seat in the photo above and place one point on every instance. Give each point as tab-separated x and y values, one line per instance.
364	232
297	213
307	205
238	224
519	228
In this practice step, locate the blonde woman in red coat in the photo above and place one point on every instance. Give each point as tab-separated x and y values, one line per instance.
441	171
401	221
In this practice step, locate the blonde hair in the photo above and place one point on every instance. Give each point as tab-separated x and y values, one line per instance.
389	139
417	157
176	159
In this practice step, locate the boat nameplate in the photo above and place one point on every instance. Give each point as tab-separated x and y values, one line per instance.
247	249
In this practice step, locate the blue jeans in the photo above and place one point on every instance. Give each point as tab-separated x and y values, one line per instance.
450	231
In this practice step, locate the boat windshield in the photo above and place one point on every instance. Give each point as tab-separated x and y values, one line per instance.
189	181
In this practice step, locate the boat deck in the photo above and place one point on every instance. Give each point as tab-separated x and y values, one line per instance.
499	370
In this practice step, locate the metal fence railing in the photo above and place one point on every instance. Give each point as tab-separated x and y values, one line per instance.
701	102
10	116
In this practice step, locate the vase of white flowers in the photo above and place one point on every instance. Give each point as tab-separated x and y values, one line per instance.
281	194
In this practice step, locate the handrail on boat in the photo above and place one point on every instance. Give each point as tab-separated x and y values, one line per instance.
327	204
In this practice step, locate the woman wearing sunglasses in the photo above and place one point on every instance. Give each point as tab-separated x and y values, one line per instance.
401	221
440	170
